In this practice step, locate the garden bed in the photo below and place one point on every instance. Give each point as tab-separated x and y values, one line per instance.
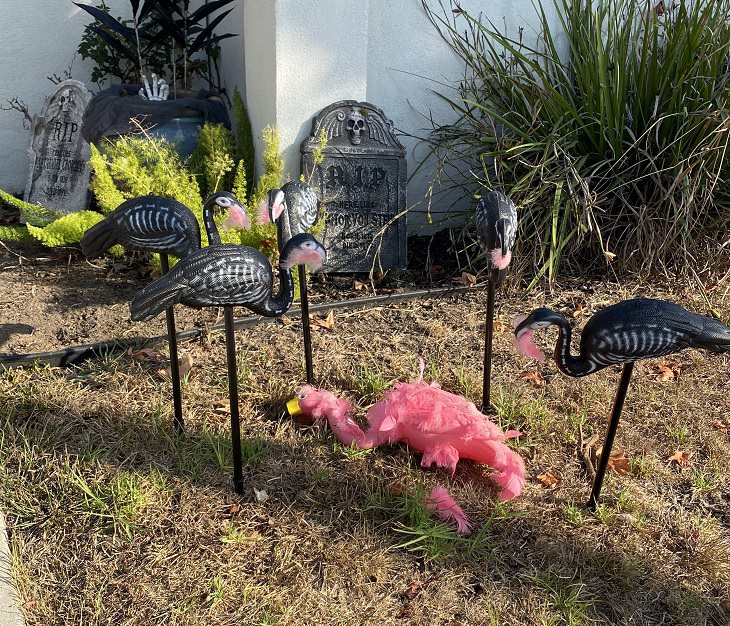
116	520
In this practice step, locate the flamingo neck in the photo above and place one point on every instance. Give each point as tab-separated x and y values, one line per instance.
211	229
566	362
283	228
279	304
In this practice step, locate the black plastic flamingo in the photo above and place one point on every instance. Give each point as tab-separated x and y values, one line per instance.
623	333
166	226
295	209
496	224
230	275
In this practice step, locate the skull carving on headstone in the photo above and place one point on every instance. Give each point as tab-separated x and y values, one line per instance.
67	100
355	126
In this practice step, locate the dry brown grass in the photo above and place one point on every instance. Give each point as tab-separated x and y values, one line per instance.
115	520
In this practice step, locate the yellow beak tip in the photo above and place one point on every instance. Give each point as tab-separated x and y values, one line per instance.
293	408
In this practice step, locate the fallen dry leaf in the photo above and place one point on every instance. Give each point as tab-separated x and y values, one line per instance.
535	378
328	323
466	279
144	354
502	327
719	425
185	365
548	479
222	407
618	462
360	286
579	310
680	457
667	372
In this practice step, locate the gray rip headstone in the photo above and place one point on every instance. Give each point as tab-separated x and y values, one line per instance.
361	182
59	157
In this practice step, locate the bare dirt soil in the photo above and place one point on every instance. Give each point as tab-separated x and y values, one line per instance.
52	299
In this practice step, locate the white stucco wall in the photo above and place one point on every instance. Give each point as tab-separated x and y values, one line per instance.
302	55
39	39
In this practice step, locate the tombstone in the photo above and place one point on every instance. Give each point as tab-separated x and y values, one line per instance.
59	157
362	184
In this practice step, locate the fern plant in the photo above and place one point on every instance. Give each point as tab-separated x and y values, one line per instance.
33	213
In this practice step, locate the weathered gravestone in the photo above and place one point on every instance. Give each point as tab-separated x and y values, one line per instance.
361	182
59	156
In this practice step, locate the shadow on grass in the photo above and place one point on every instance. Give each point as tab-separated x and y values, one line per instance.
58	458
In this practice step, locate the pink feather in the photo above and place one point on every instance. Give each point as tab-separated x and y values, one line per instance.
311	258
524	344
263	215
237	218
441	503
499	261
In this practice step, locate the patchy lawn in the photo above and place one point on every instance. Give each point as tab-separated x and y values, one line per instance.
117	520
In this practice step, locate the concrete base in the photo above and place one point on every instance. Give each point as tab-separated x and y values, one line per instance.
10	614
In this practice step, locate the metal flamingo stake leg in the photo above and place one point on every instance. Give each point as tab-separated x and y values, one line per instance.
174	363
618	405
307	332
294	208
233	399
488	334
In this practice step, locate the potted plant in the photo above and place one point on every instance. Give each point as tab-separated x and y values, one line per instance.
162	37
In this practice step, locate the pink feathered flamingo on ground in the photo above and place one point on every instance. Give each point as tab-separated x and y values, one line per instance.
442	426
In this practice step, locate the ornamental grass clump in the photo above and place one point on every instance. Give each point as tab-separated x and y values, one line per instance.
612	140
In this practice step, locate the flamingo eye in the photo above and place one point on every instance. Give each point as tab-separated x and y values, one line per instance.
302	395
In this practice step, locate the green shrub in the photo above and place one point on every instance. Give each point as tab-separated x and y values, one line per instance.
15	234
213	159
67	229
33	213
137	166
614	150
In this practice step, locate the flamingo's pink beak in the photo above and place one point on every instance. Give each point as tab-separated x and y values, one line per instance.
237	218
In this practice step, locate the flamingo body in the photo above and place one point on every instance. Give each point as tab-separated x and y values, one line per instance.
159	224
442	426
229	275
628	331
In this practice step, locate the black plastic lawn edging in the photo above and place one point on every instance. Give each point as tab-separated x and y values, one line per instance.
77	354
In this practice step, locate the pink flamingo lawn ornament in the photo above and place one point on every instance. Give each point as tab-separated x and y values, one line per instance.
442	426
